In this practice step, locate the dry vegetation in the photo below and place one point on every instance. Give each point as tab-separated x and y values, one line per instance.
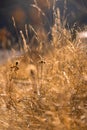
46	88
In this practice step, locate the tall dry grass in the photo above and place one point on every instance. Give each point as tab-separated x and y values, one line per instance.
45	88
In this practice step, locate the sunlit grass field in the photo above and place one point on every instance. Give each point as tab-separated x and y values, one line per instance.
45	87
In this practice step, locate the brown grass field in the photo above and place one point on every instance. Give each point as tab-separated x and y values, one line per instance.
45	88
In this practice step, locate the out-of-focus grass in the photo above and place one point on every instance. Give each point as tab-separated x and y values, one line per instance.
46	88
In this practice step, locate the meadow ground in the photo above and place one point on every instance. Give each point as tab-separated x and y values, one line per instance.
46	88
